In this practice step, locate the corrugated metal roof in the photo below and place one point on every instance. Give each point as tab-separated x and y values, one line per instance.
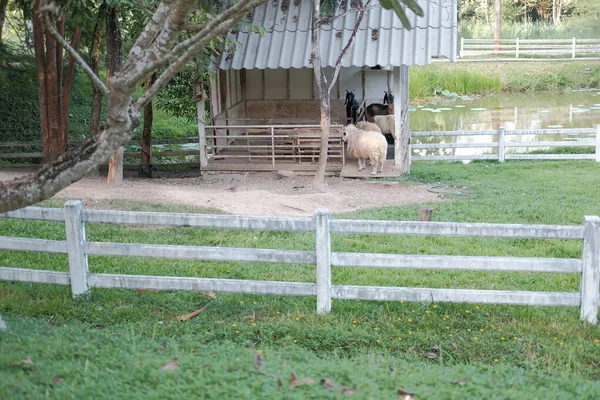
286	43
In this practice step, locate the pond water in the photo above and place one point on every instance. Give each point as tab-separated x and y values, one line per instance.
574	109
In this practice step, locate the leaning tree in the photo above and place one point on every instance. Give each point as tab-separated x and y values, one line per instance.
166	43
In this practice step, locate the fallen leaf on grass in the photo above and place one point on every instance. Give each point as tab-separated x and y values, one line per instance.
190	315
348	391
212	295
258	360
295	381
170	366
140	291
57	379
455	346
22	362
460	383
433	356
327	384
404	395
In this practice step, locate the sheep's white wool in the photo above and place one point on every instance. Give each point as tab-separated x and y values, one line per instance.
368	126
366	144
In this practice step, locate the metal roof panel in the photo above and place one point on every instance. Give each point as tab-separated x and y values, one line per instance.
380	40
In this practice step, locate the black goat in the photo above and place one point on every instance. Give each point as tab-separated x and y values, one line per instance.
355	111
388	98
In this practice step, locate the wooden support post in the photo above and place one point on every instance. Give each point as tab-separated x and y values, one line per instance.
573	50
78	261
323	250
517	49
590	275
115	168
425	213
402	132
597	143
462	47
273	145
501	145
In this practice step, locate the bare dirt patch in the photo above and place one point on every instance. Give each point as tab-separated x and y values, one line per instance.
249	194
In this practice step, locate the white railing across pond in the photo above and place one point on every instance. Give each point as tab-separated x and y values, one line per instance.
82	280
503	145
517	48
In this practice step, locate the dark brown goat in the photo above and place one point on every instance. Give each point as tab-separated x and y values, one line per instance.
380	109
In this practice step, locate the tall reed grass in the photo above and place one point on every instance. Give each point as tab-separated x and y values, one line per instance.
423	82
477	29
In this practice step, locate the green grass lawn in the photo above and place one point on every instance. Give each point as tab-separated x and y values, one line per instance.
116	341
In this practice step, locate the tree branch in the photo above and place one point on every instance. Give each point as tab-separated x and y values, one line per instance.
149	33
338	63
331	20
194	27
193	45
53	9
235	12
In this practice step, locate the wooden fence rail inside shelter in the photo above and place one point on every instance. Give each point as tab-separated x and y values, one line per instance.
82	280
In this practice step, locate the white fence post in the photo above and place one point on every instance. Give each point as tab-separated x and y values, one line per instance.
78	261
517	49
590	275
573	51
462	47
323	250
501	145
597	143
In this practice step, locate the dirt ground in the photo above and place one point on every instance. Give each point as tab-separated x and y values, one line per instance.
247	194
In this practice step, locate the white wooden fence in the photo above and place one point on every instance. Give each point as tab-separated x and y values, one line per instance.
503	145
81	280
529	47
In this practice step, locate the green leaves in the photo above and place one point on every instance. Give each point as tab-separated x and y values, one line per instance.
396	5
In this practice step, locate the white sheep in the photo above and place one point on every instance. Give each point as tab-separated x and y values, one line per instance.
368	126
366	144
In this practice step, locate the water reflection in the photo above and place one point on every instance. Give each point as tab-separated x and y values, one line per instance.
575	109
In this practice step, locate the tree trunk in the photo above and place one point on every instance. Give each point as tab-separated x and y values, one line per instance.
66	96
2	18
54	147
556	11
323	92
114	54
94	61
40	60
146	156
497	24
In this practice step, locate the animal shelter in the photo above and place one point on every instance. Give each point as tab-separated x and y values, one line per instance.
264	103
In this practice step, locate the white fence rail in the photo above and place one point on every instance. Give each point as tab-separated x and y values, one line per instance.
517	48
81	280
503	145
